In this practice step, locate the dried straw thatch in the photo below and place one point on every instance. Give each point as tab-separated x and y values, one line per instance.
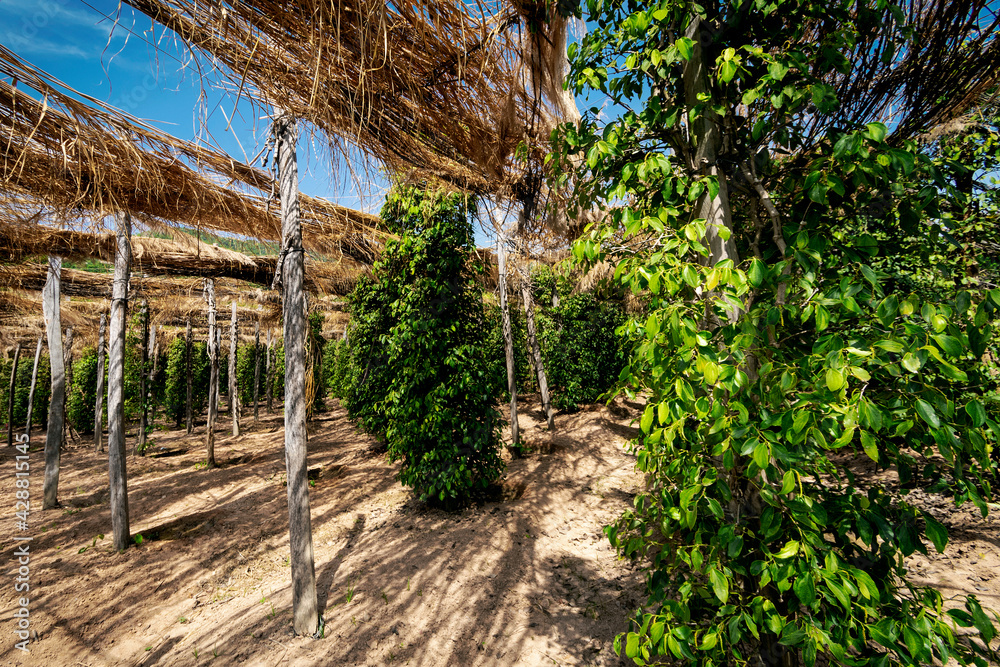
84	159
442	89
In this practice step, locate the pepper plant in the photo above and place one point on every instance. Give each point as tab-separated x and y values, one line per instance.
755	170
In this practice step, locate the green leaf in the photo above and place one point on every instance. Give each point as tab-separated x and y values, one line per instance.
805	588
951	345
976	412
685	46
762	455
835	379
979	619
647	419
790	549
788	482
927	413
876	132
911	362
720	585
728	70
936	532
757	272
869	445
632	645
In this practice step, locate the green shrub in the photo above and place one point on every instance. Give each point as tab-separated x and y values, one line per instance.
82	399
419	373
175	378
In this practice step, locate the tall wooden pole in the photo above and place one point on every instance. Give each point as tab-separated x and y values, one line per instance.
189	371
57	404
536	352
140	445
10	396
99	411
305	608
268	378
34	382
256	368
116	385
234	391
68	353
508	339
213	373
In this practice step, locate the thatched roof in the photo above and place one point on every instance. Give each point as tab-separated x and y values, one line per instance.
443	90
72	159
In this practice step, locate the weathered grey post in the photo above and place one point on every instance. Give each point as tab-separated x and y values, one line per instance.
234	393
188	370
57	405
213	373
291	269
268	377
34	382
536	352
116	384
140	444
10	396
99	411
256	368
508	339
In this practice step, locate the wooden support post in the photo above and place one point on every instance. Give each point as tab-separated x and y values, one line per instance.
140	443
68	430
116	385
536	352
10	395
190	372
268	377
305	608
99	411
213	373
508	340
57	403
256	368
234	387
34	382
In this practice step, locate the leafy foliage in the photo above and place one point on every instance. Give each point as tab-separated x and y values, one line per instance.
417	367
175	391
82	399
765	375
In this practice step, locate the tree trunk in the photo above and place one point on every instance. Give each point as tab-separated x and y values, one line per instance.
234	389
256	369
508	341
305	608
57	404
190	379
140	444
10	396
99	411
68	430
268	378
34	382
536	352
116	385
213	373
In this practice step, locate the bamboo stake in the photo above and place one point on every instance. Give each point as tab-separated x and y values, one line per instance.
57	398
305	608
155	351
140	445
116	385
68	430
508	340
99	411
10	396
536	352
213	375
256	369
234	393
268	377
34	381
189	370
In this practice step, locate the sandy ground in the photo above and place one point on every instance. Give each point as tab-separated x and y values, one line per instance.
527	579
